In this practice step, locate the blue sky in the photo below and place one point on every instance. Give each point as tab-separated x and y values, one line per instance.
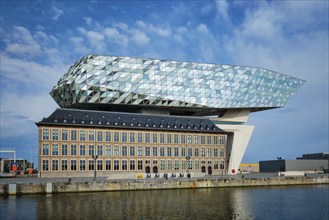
41	39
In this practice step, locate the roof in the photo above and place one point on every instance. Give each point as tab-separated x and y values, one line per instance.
119	120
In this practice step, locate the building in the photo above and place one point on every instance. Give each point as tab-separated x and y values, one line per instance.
179	113
308	162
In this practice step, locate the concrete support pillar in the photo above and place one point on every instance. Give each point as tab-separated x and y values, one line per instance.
12	189
49	188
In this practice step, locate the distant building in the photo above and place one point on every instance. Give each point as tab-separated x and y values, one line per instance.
20	164
143	115
308	162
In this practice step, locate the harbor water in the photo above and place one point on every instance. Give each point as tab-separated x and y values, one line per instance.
284	202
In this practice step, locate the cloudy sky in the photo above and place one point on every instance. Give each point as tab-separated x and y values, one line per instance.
41	39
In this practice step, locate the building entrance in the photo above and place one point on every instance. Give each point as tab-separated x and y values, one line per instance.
147	169
209	170
203	169
155	169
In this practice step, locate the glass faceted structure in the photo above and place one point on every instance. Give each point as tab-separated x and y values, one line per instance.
183	88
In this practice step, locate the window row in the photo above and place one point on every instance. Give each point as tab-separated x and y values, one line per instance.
132	137
124	151
139	165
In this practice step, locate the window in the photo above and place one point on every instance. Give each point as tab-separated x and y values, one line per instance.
183	164
99	150
140	137
176	138
132	137
147	151
64	149
82	135
209	154
182	139
116	136
99	136
124	164
176	165
196	139
221	140
208	139
139	151
215	140
73	150
73	135
64	135
45	134
155	138
216	164
222	152
161	138
176	151
108	150
132	151
203	153
73	165
215	152
168	151
203	140
55	165
55	150
124	152
183	152
82	150
99	165
116	151
132	165
222	165
140	165
147	137
55	134
169	164
161	151
189	151
108	136
82	165
196	152
45	149
162	165
196	165
91	150
64	164
189	139
116	164
45	165
155	152
91	136
91	164
190	163
124	137
108	164
169	138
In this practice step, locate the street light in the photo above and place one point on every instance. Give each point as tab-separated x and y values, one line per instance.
94	157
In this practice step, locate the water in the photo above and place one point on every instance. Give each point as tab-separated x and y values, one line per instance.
293	202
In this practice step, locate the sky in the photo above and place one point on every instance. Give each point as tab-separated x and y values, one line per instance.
40	40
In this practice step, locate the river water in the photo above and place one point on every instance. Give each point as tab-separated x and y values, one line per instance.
291	202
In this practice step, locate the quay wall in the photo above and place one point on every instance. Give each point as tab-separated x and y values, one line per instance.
142	184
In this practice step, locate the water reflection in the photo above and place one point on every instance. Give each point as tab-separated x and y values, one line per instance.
309	202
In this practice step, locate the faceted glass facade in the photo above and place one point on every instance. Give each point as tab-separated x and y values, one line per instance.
114	80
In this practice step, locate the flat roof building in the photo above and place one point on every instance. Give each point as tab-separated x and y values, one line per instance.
204	106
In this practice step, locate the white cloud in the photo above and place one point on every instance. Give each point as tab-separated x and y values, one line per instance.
139	37
95	36
22	43
202	28
114	35
58	13
222	8
88	20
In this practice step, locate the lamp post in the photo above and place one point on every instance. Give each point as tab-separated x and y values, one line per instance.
94	157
